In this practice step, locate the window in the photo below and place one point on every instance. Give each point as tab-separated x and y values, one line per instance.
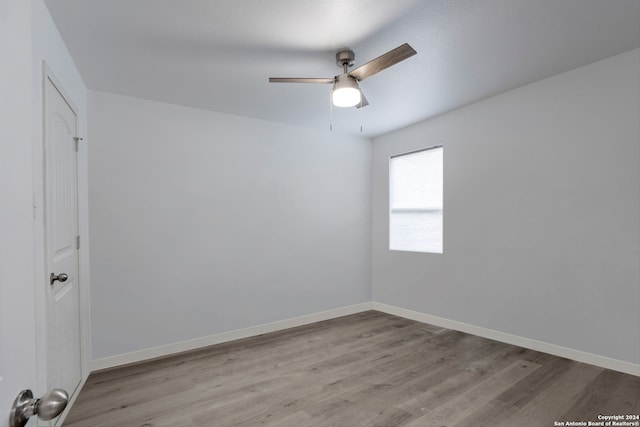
415	201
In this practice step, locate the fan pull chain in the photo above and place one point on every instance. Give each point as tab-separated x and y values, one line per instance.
361	113
331	111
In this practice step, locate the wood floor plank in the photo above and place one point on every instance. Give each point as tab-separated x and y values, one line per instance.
449	381
230	366
369	370
320	380
534	406
406	378
455	410
299	418
609	393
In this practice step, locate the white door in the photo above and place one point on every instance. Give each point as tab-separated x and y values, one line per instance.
61	242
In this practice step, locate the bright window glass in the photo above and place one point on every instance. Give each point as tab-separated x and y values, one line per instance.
416	201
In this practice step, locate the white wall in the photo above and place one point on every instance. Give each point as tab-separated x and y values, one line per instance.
17	311
541	213
203	223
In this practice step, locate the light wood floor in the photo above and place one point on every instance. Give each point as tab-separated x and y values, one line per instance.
368	369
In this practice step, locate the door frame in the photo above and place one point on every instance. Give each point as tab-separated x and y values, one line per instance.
41	269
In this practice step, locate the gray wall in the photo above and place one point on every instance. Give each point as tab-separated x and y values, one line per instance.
541	213
203	223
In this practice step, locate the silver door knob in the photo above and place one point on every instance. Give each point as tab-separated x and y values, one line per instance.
47	408
62	277
52	404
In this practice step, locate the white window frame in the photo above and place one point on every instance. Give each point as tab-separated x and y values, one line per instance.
434	245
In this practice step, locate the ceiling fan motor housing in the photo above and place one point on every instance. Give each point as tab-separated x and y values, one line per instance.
345	57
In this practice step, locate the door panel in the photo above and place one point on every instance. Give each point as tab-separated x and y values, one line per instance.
61	231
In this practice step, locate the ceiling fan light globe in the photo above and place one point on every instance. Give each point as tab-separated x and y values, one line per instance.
346	97
346	92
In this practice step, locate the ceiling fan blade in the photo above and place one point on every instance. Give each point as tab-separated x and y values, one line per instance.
383	61
301	80
363	100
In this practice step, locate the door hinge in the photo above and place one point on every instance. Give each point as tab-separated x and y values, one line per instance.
78	242
76	140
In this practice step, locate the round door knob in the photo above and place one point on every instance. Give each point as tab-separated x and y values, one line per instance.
62	277
52	403
47	408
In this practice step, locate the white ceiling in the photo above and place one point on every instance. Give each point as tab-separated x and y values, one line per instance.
218	55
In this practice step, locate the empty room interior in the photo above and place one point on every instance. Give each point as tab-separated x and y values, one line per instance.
320	213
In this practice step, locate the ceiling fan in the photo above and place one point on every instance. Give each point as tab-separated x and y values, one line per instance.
346	92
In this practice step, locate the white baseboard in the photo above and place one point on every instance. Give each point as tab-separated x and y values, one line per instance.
556	350
179	347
